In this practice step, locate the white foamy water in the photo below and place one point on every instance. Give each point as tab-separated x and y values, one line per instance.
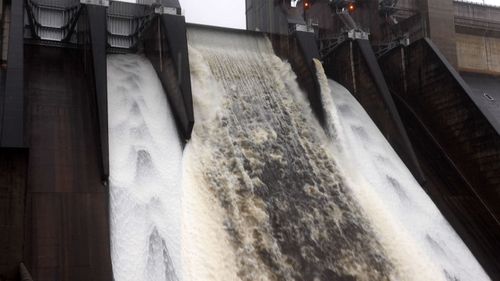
267	200
261	192
420	241
145	174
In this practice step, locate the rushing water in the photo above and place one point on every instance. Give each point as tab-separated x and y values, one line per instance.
261	191
411	228
145	167
286	212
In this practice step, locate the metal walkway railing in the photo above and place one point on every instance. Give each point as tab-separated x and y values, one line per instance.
53	20
56	20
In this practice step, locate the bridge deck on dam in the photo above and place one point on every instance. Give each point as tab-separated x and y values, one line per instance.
66	224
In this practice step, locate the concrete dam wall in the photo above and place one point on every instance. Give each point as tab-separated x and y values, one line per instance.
478	54
442	113
56	184
135	146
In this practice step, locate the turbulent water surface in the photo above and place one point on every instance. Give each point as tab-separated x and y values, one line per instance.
145	166
285	209
261	191
412	229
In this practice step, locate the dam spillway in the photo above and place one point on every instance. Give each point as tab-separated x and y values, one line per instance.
286	211
145	164
407	219
264	193
240	200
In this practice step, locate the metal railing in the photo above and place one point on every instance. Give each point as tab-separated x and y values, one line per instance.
126	22
53	19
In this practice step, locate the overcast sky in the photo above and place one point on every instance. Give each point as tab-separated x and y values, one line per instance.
231	13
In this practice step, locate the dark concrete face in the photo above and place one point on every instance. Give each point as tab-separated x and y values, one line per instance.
458	147
440	15
165	45
299	49
272	16
309	51
66	227
354	65
13	179
260	15
171	3
96	16
12	122
486	93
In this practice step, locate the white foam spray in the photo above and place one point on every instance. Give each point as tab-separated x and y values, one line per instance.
268	201
145	167
422	244
265	195
206	249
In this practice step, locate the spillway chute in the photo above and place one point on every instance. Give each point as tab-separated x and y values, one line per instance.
145	168
417	236
287	214
262	191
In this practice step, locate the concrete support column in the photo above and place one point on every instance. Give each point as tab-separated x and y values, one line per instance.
98	38
12	123
440	26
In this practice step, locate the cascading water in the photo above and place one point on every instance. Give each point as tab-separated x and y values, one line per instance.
290	202
257	151
409	224
265	193
145	166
